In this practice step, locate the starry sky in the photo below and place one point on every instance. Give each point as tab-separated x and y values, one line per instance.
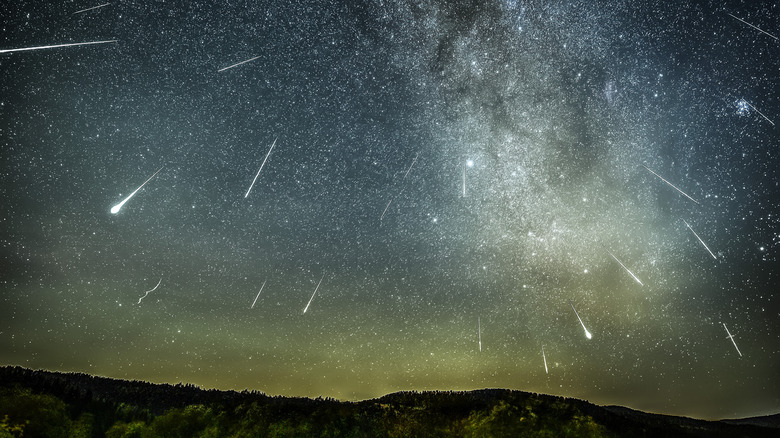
449	180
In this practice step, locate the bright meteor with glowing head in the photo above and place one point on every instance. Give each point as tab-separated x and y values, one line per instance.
587	333
115	209
312	295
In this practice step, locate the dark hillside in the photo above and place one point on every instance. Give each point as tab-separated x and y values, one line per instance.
43	403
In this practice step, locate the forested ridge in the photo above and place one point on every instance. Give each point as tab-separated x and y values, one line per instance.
50	404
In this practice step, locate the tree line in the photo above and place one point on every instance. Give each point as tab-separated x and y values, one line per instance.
48	404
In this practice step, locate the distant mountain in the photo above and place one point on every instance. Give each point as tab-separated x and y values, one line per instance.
694	427
772	421
43	403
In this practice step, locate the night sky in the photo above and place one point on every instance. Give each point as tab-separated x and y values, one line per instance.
451	177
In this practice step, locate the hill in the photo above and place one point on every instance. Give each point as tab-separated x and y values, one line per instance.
51	404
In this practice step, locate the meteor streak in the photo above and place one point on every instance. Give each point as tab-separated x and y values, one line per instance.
464	180
115	209
479	331
258	295
545	357
315	293
587	333
672	185
702	242
150	290
55	46
624	267
261	167
762	114
383	213
234	65
89	9
730	336
410	167
754	27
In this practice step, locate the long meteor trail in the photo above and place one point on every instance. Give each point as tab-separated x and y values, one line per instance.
464	180
410	167
545	357
115	209
258	295
312	295
670	184
624	267
587	333
235	65
762	114
261	167
24	49
754	27
383	213
702	242
479	331
150	291
89	9
730	336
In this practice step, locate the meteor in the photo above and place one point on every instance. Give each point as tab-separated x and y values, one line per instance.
261	167
702	242
587	333
315	293
762	114
89	9
150	290
464	180
115	209
410	167
234	65
624	267
672	185
545	357
754	27
383	213
258	295
470	164
24	49
479	331
730	336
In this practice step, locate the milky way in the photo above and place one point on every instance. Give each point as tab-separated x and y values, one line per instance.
438	164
